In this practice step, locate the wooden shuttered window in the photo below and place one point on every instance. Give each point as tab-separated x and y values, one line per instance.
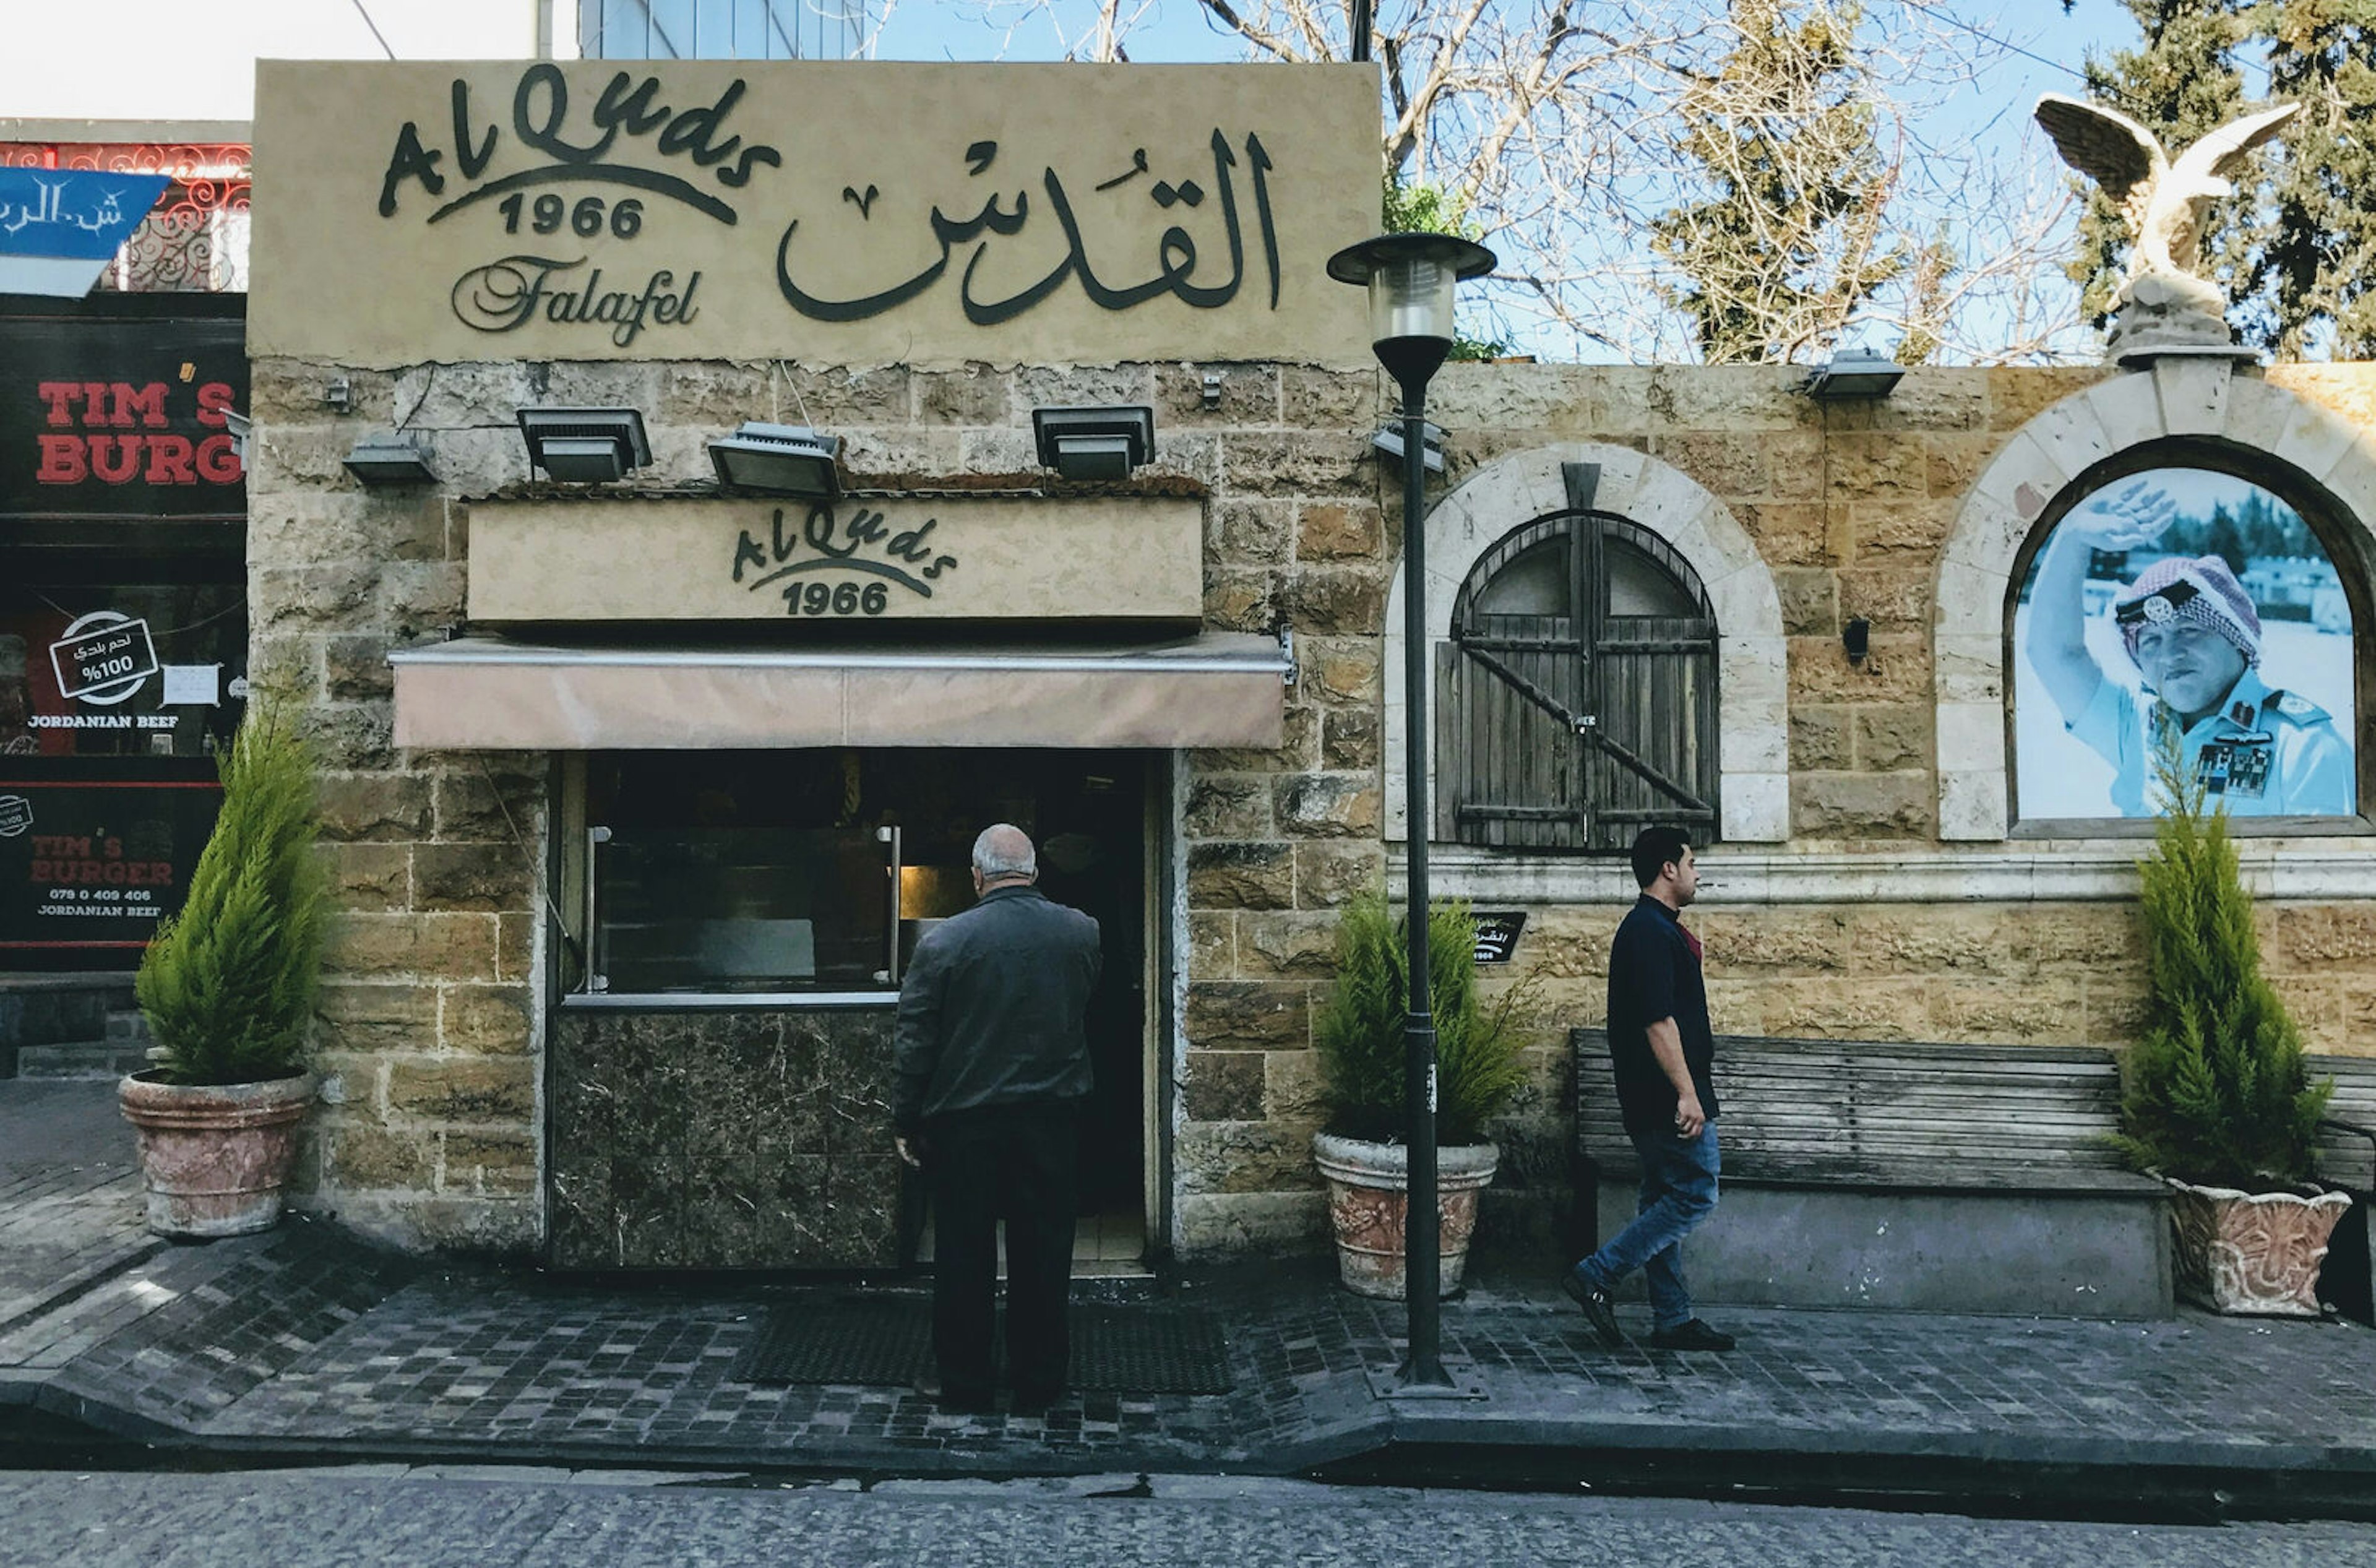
1576	694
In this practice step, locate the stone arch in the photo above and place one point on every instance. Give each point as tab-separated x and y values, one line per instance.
1753	748
2207	399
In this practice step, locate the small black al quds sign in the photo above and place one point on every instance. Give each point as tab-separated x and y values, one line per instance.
1497	934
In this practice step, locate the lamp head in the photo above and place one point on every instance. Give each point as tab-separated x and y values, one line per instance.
1411	279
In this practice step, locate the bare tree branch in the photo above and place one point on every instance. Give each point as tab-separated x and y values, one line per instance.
1551	128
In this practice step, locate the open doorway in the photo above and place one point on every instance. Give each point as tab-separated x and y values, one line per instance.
1089	814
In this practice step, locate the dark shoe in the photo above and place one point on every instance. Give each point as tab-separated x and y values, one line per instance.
1596	1311
927	1387
1692	1336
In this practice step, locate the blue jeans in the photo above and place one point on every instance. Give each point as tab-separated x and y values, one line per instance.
1678	1181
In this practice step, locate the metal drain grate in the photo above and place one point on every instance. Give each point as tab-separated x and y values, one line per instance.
887	1340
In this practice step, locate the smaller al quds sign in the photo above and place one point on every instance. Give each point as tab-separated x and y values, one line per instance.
852	560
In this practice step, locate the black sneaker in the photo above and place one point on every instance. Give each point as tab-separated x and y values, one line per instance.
1692	1336
1596	1311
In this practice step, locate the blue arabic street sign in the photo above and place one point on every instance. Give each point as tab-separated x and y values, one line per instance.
84	214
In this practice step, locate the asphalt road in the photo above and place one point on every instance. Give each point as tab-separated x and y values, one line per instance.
424	1517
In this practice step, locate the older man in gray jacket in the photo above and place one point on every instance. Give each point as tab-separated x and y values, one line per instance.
994	1063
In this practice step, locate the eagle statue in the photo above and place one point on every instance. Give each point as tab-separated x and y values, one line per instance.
2162	202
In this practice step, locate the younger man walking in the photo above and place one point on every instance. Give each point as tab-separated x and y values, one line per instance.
1663	1053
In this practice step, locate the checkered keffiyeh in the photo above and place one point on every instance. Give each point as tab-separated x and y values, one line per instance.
2217	601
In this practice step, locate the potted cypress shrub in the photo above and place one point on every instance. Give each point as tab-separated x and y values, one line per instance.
228	987
2216	1097
1360	1150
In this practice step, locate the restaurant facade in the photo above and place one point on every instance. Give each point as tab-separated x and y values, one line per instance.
639	787
123	602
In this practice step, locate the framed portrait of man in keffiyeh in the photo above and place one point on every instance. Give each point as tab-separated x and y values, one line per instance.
2187	601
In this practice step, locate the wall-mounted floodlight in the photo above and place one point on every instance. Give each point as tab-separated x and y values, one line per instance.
1853	373
1389	440
1105	443
585	445
784	459
238	424
389	460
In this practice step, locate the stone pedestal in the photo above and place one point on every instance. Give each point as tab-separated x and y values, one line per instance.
2163	315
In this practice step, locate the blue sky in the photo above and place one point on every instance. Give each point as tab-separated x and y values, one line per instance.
165	60
2016	50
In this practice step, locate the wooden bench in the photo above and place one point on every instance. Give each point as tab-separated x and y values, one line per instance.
1950	1178
2346	1156
2346	1159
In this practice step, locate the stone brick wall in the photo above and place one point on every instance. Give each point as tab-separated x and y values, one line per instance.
430	1129
430	1018
1849	506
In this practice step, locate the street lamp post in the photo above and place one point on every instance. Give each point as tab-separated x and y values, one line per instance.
1411	279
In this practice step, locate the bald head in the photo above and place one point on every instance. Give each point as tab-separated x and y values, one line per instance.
1003	854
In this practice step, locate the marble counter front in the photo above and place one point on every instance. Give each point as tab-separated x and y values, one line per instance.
725	1136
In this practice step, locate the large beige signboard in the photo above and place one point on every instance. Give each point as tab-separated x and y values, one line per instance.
856	559
845	213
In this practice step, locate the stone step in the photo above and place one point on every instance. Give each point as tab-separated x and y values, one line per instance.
128	1026
81	1059
55	1009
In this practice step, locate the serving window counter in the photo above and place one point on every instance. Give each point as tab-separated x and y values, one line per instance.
721	1057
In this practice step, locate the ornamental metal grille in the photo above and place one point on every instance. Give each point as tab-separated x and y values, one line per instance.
194	240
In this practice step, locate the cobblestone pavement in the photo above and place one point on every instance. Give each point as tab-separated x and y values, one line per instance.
306	1338
428	1517
70	1205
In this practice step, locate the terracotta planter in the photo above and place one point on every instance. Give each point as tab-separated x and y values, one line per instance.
1369	1203
2256	1252
215	1155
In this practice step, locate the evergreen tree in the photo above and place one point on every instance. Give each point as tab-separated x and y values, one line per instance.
2183	82
1791	239
2319	264
2218	1092
1360	1032
228	984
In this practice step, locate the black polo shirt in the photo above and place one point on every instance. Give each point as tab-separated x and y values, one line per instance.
1653	973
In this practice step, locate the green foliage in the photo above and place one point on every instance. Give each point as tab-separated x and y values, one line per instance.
1790	239
1360	1032
2218	1092
2296	249
228	984
2256	527
1418	207
2318	266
